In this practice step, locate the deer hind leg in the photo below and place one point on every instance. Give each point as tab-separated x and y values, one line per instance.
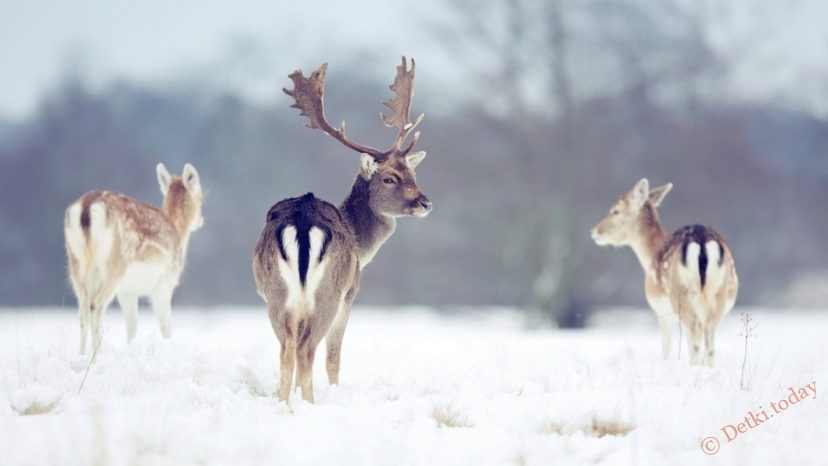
305	352
695	331
162	304
717	312
83	301
99	303
84	316
686	310
129	305
286	333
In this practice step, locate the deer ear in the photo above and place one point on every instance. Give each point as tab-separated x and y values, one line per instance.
657	194
164	178
414	159
367	166
641	192
190	178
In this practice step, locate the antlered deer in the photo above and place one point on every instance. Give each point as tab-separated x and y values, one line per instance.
308	258
689	275
118	246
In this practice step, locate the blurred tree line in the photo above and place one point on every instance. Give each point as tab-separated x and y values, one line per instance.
567	105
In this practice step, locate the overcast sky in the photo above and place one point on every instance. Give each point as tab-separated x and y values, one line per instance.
163	40
158	39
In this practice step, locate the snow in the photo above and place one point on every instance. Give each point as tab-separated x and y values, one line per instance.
418	388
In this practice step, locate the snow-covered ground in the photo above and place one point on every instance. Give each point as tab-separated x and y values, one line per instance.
418	388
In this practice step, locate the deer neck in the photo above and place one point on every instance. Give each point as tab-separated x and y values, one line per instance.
371	229
181	229
650	237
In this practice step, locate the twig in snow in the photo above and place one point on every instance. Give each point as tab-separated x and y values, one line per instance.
91	360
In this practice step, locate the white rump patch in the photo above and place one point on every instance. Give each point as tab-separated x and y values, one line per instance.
715	272
689	273
299	298
100	236
73	231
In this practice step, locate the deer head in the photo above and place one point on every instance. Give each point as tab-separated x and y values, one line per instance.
389	174
630	215
183	197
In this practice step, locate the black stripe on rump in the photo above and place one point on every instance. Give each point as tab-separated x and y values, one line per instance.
302	218
700	235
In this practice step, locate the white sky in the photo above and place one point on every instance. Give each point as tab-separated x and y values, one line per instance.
154	39
161	40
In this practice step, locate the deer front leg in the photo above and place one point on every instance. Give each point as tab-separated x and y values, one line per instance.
666	325
333	340
129	305
162	304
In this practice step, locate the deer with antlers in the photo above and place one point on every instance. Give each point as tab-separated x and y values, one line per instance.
690	275
307	261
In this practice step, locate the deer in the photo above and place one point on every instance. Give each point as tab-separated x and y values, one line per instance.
310	253
118	246
690	275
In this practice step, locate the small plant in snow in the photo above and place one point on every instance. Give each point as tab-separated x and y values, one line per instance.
448	416
748	327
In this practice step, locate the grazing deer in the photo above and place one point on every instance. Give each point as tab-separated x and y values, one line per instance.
308	258
690	275
118	246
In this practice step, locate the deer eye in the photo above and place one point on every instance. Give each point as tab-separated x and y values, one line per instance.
615	212
389	181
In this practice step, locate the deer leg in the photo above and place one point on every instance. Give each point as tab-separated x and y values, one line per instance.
694	341
710	343
83	303
305	352
84	317
129	305
286	333
665	324
97	308
333	342
710	333
162	304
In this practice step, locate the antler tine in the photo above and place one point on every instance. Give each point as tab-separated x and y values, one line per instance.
309	95
400	105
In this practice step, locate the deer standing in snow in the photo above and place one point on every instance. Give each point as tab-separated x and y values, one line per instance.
689	275
308	258
120	247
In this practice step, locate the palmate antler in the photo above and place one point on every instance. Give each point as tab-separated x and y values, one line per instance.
309	95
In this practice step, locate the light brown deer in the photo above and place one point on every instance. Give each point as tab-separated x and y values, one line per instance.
118	246
689	275
308	258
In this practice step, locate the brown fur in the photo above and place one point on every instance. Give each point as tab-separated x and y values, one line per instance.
306	304
672	290
119	246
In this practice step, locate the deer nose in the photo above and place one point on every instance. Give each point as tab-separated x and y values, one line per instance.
420	206
424	203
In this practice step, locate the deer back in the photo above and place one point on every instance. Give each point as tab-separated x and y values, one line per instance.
108	233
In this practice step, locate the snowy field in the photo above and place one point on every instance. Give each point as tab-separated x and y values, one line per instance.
418	388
